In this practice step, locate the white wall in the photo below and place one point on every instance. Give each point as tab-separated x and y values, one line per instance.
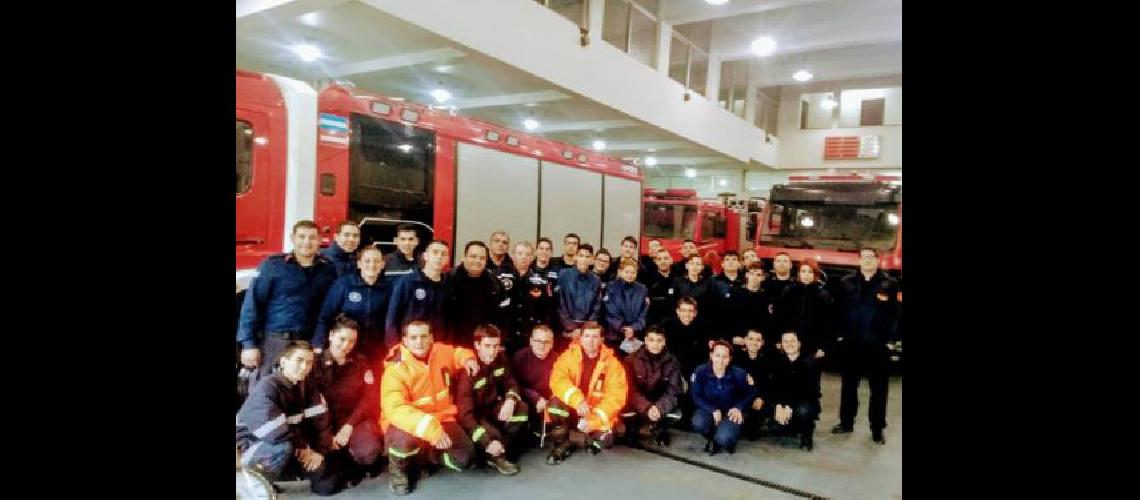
528	36
850	105
803	149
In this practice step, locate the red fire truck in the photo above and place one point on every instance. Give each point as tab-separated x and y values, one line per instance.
830	218
344	153
673	215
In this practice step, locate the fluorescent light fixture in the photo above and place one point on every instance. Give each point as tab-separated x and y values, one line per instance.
651	161
690	172
405	148
530	124
441	95
599	145
807	221
764	46
802	75
716	2
723	182
310	19
307	52
443	68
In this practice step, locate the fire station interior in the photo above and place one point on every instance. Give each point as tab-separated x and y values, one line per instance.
785	115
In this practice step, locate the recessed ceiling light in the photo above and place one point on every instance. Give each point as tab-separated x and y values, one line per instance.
716	2
690	172
530	124
651	161
802	75
307	52
441	95
764	46
599	145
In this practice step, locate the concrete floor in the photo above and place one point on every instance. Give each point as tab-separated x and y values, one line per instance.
845	466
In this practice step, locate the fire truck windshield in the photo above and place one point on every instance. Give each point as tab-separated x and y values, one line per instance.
666	220
832	227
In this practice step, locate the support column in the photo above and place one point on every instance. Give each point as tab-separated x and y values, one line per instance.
596	20
664	40
750	99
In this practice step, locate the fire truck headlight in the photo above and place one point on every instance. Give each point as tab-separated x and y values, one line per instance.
893	219
807	221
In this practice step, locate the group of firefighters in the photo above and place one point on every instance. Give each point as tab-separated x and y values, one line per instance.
349	352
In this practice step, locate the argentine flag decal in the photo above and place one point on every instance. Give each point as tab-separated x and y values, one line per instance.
334	129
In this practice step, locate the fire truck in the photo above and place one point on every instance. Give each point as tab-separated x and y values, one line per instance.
830	217
347	154
671	216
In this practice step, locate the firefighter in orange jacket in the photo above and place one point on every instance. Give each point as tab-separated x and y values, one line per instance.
589	390
418	413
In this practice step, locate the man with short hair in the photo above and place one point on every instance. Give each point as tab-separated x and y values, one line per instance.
569	251
659	283
419	295
604	266
655	389
754	360
283	426
284	300
500	258
689	249
343	247
795	391
730	274
748	257
490	406
531	299
748	309
780	277
688	336
417	412
868	332
694	284
589	387
531	367
648	261
580	295
475	295
404	259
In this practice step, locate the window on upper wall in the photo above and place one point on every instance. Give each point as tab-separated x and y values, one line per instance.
870	107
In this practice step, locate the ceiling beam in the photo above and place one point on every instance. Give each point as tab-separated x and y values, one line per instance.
645	146
585	125
256	14
510	99
691	160
688	11
397	61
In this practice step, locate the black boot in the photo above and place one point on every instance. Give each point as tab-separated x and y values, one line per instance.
841	429
398	480
877	436
806	441
560	445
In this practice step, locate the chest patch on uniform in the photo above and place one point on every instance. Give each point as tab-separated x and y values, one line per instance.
535	292
481	382
420	294
499	372
507	282
606	298
670	291
882	296
368	378
354	297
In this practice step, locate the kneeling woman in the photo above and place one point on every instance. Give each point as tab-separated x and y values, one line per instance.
721	393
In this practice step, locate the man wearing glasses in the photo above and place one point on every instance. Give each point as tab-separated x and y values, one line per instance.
531	367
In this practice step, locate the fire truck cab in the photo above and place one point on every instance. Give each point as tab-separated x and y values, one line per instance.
673	215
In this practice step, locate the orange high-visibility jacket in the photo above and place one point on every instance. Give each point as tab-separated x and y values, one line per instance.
415	396
606	399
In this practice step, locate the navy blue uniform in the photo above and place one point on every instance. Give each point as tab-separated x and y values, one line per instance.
796	384
344	262
760	369
626	304
280	417
531	303
367	304
654	380
416	297
580	298
396	266
869	312
661	291
507	265
282	304
711	394
352	393
748	310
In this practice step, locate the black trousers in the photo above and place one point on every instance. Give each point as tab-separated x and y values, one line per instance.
873	362
511	433
804	415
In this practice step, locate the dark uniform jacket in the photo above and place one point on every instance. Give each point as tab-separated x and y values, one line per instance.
869	309
344	262
278	410
472	301
654	379
351	390
807	310
795	382
367	304
533	374
284	297
730	391
476	396
626	304
760	369
416	297
579	298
